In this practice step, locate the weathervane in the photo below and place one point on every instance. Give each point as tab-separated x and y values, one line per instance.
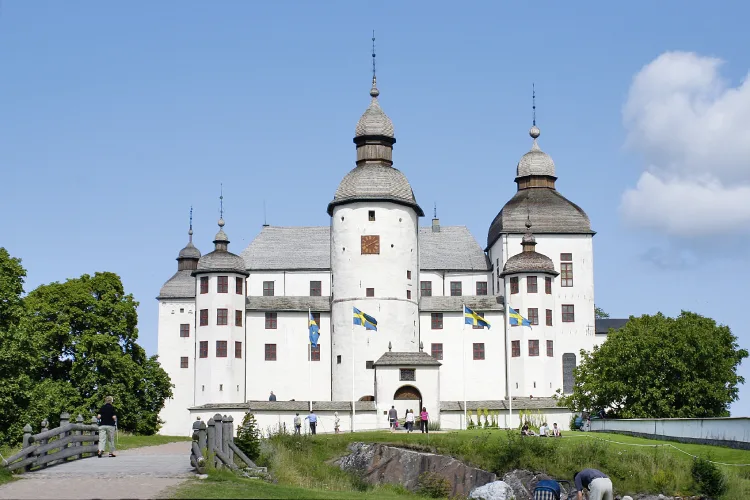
373	55
533	104
221	201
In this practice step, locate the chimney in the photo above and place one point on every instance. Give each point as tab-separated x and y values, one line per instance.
436	225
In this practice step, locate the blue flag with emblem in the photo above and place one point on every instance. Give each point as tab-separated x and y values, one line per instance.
365	320
314	329
474	319
516	319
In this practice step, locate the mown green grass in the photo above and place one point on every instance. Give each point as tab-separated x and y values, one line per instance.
127	441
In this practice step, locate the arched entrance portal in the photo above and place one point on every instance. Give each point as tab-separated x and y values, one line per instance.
407	397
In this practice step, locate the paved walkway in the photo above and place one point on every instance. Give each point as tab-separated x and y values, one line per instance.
137	473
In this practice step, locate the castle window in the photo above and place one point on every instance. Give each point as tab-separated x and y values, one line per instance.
316	289
315	353
533	315
184	362
371	215
271	321
548	285
550	349
407	374
268	288
182	310
238	285
515	348
455	288
408	294
478	327
566	257
408	275
221	348
204	284
204	317
222	317
222	284
425	288
204	348
437	321
549	317
514	284
566	269
568	313
481	288
238	317
185	330
270	352
338	359
238	350
437	351
530	284
370	292
479	351
369	365
533	348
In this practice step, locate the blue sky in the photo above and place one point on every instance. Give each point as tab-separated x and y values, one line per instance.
116	118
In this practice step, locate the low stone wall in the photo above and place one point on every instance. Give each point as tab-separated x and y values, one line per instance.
733	432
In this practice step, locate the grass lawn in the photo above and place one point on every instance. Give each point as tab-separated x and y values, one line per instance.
127	441
302	469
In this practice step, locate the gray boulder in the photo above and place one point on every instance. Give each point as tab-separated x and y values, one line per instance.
523	483
497	490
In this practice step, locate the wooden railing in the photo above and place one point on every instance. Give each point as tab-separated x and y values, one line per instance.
54	446
215	440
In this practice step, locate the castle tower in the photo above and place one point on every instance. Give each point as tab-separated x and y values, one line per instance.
532	366
220	291
374	258
176	336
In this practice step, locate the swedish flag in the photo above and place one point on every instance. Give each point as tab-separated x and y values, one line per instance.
365	320
472	318
516	319
314	329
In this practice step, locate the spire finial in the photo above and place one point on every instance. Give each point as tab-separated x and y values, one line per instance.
374	92
434	214
534	132
221	205
190	232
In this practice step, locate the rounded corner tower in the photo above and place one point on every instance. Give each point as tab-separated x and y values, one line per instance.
374	258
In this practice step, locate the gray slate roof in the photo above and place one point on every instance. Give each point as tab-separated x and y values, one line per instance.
180	286
189	252
603	325
375	182
309	248
221	260
529	262
479	303
406	359
536	161
451	248
300	406
374	121
550	212
288	303
502	404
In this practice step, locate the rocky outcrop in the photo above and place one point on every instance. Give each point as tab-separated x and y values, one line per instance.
378	464
523	483
497	490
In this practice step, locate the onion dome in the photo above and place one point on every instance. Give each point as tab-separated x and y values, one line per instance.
182	284
536	161
189	252
221	259
529	260
374	121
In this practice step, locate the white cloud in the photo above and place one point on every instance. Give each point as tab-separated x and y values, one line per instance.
693	130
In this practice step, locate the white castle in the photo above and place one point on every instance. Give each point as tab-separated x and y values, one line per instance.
233	328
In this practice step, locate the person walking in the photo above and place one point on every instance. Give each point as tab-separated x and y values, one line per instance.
392	417
597	482
313	418
272	397
409	421
107	421
423	418
297	424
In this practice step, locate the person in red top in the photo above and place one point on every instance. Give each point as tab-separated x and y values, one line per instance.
423	417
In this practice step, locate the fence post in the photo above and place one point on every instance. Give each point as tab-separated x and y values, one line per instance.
79	420
218	428
211	436
227	436
202	435
95	421
45	427
27	442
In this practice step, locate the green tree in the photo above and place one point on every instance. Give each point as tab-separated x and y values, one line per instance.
599	313
661	367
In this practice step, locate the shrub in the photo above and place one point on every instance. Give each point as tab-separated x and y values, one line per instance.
432	484
708	478
248	437
433	425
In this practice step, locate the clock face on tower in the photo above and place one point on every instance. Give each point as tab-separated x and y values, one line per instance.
371	244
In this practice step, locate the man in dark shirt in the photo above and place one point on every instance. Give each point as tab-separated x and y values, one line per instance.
107	421
597	482
272	397
392	417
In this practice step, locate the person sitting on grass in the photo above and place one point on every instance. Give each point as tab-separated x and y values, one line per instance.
556	430
525	431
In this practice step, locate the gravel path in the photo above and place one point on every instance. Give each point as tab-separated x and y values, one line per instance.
137	473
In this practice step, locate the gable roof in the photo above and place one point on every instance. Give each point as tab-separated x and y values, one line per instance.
452	248
406	359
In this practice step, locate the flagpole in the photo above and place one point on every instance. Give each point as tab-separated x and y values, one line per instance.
354	411
309	358
506	319
463	361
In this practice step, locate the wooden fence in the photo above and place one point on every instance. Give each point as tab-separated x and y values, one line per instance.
215	440
54	446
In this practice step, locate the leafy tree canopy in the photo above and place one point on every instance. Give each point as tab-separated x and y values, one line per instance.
74	344
660	367
599	313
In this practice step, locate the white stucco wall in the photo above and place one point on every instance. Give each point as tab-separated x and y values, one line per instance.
723	429
170	348
454	420
441	282
427	383
219	380
289	283
386	272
